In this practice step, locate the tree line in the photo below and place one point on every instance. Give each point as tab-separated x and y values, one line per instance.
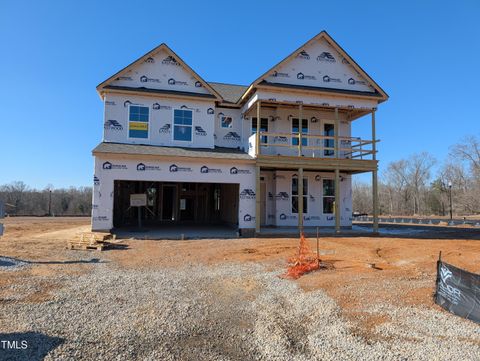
409	187
21	200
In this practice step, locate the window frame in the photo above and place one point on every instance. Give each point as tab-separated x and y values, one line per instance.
173	127
128	122
328	196
328	140
305	195
263	138
294	138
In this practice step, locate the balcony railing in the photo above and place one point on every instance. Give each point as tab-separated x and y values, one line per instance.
310	145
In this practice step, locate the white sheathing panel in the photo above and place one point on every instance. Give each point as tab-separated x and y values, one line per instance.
314	216
109	169
319	100
230	137
160	71
320	65
160	120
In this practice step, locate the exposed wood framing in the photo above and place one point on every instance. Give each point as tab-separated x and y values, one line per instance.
337	200
258	196
300	123
300	198
374	176
257	135
336	133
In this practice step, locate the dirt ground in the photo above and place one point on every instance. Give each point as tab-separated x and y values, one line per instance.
367	269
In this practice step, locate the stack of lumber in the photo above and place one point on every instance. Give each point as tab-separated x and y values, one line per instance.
92	240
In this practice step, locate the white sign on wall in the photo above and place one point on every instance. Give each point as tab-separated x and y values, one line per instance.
138	200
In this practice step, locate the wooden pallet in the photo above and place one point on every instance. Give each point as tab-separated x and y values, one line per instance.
91	240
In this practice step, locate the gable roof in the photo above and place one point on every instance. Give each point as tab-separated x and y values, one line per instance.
323	35
152	52
230	93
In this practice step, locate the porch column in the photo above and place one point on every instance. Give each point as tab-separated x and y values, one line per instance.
300	198
374	176
257	199
337	154
257	136
300	121
337	200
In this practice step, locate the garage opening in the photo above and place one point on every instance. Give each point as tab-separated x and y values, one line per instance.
175	203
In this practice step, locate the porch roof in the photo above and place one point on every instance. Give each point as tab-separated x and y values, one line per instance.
153	150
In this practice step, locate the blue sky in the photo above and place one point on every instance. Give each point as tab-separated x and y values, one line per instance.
54	53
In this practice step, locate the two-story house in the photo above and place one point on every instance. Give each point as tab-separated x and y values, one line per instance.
278	152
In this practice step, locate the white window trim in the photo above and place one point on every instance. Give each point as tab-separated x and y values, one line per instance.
300	125
304	196
332	179
173	126
128	122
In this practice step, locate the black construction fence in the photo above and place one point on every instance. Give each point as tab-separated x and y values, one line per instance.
458	291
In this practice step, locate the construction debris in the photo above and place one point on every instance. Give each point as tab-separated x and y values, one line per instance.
92	240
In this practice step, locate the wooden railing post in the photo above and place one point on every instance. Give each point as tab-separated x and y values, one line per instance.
336	131
337	201
257	136
300	198
258	196
374	176
300	124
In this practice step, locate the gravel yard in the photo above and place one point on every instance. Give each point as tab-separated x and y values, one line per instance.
112	306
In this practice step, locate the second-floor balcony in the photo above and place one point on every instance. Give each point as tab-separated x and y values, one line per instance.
310	146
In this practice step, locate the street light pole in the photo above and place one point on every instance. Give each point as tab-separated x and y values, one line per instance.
450	195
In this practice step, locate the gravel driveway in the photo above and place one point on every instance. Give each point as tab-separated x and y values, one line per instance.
223	312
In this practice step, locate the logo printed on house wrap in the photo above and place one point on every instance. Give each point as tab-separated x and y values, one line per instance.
248	218
327	57
235	170
247	193
145	79
303	55
142	167
233	136
109	166
206	169
167	128
174	168
112	124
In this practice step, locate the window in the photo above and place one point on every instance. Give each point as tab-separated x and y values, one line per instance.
263	128
328	196
295	195
227	122
182	125
138	122
329	131
295	127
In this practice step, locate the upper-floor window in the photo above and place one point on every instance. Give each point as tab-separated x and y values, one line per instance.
263	128
227	122
329	144
182	125
295	130
138	122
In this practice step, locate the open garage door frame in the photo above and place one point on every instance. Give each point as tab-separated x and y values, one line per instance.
176	203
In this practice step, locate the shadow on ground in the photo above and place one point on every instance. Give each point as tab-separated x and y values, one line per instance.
31	346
